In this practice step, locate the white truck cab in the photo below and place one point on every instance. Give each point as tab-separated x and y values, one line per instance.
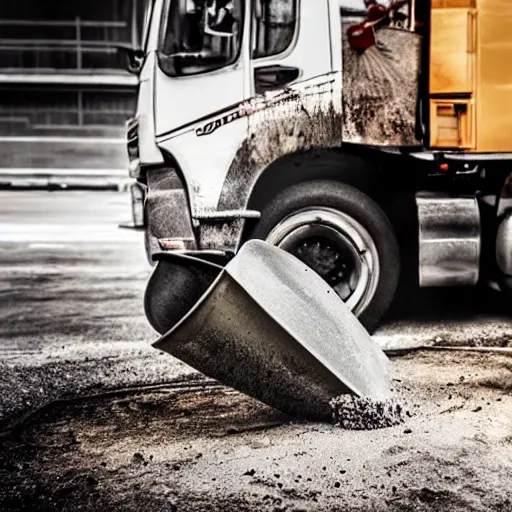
323	127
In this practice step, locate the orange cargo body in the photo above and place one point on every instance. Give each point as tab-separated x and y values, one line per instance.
470	75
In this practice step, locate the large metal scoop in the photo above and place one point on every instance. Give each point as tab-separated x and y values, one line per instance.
272	328
176	284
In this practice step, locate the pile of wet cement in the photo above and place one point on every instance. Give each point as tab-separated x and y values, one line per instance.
354	413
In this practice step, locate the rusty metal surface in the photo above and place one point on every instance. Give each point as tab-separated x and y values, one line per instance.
225	235
303	117
272	328
380	88
167	209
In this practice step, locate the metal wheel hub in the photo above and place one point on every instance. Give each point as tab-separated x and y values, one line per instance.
335	246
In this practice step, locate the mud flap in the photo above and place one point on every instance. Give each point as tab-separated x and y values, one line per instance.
272	328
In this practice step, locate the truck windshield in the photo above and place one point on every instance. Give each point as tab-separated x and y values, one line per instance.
198	36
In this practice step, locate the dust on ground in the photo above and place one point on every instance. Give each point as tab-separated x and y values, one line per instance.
211	448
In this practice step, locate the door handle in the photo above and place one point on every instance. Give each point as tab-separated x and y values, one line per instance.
268	78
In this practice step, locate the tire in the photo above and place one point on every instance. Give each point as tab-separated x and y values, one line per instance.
344	236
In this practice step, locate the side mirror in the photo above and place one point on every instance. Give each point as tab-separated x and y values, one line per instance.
133	58
222	28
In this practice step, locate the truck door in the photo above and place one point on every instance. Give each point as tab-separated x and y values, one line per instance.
381	48
283	55
292	69
294	94
199	86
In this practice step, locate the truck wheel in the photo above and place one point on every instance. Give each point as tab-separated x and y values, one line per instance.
344	236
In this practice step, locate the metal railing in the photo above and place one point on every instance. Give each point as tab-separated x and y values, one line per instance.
74	43
65	107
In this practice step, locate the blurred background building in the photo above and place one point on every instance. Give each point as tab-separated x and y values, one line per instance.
64	95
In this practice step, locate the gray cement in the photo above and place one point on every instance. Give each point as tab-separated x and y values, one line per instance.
219	450
354	413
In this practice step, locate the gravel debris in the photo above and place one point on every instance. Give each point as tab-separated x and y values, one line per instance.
354	413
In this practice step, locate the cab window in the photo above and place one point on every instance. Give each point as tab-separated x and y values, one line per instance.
199	36
275	22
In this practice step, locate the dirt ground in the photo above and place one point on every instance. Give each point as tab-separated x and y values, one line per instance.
206	447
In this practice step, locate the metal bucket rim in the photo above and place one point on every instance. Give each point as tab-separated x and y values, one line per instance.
192	310
184	256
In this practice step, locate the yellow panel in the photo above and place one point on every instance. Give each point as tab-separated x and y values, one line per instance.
451	52
436	4
452	123
494	78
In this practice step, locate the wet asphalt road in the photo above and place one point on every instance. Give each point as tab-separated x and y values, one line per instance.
71	290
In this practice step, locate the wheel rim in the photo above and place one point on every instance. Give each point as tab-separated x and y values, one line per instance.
335	246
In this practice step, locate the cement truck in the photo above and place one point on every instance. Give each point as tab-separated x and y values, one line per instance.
372	140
